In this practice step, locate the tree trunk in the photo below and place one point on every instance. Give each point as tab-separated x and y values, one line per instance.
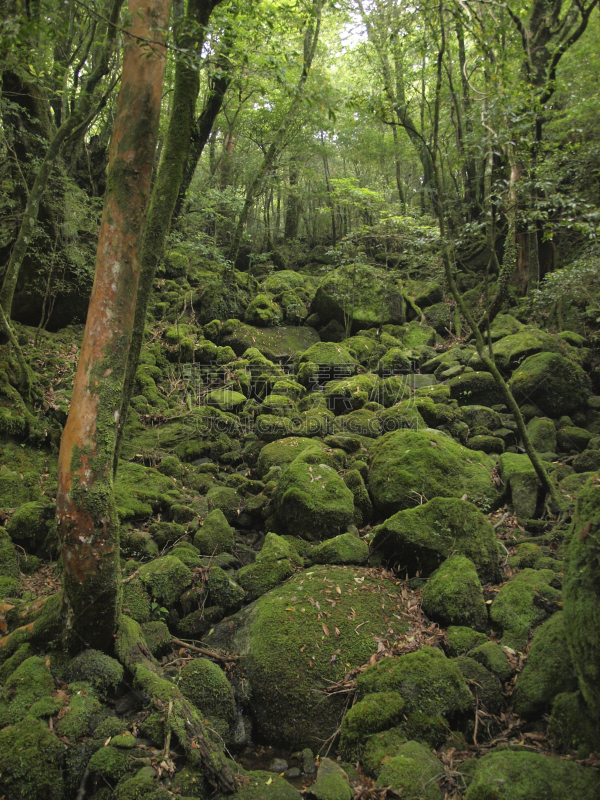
164	194
85	507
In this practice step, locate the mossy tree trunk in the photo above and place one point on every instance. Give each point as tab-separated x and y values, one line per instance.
81	116
175	156
86	513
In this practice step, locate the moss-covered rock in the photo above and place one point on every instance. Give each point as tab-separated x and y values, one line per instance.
409	465
520	775
494	659
460	640
143	786
571	439
375	712
520	478
142	491
276	548
379	747
413	771
548	670
223	591
332	783
522	603
484	685
215	536
477	388
262	576
82	707
263	312
542	433
102	671
432	687
421	538
226	399
312	502
166	578
262	785
571	726
30	762
290	649
31	525
9	563
277	344
136	601
361	296
582	594
227	500
157	637
552	382
206	685
453	595
31	681
347	548
111	764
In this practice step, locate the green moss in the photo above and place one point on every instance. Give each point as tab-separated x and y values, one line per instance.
206	685
215	536
494	659
571	727
407	465
75	723
413	771
484	686
312	501
111	764
375	712
9	665
572	439
453	595
475	388
379	747
420	538
225	499
165	533
166	578
517	608
349	393
141	491
519	775
262	576
553	383
278	404
226	399
30	762
542	433
432	688
280	343
331	359
189	783
136	601
461	640
142	786
30	681
102	671
31	525
223	591
263	312
582	594
276	548
157	637
9	563
548	670
288	655
261	785
331	784
347	548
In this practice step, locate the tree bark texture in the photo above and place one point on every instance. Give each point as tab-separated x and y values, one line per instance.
86	513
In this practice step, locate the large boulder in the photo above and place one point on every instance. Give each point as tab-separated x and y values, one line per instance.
282	452
453	595
582	594
419	539
30	762
523	603
277	344
553	383
291	649
513	349
312	501
361	296
411	466
519	775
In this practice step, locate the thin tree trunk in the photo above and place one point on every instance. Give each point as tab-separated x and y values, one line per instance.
78	117
86	513
311	38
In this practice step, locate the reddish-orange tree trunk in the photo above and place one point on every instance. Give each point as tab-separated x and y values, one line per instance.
86	513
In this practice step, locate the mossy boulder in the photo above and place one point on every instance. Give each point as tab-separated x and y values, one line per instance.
223	591
522	603
276	548
571	439
215	536
477	388
110	764
312	501
542	433
263	785
375	712
347	548
432	687
513	349
571	727
290	649
349	394
277	344
165	533
262	576
413	771
206	685
521	775
98	669
552	382
494	659
361	296
333	361
263	312
409	466
31	525
504	325
485	686
166	578
30	762
582	593
461	639
226	399
421	538
380	747
136	601
9	562
548	670
142	491
30	682
332	783
82	707
453	595
521	480
227	500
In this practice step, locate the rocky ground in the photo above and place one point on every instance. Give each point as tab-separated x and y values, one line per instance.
332	542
